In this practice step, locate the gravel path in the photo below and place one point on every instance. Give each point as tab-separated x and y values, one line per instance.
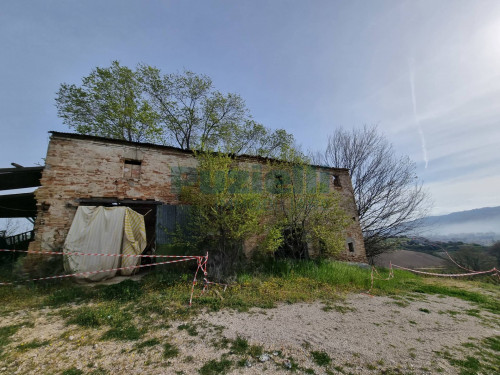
362	335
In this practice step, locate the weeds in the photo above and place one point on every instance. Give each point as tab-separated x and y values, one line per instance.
5	334
214	367
148	343
170	350
321	358
240	345
32	345
124	332
189	328
72	371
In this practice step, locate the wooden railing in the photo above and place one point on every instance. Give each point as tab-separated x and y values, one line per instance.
17	239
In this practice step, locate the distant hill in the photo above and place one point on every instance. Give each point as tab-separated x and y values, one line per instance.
481	226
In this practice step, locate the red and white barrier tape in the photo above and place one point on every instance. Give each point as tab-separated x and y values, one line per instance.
201	260
473	273
97	254
374	270
108	270
493	271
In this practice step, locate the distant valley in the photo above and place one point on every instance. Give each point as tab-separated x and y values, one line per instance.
481	226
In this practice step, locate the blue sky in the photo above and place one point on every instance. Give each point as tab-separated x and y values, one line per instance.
427	72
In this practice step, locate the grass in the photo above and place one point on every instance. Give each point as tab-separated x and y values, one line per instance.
321	358
161	297
148	343
126	332
106	314
483	357
214	367
170	350
72	371
5	335
240	345
32	345
166	294
189	328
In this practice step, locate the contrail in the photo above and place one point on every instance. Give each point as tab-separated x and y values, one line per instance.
417	121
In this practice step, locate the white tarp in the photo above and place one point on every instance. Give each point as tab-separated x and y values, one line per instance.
99	230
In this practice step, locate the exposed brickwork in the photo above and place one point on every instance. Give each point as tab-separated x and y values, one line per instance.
79	167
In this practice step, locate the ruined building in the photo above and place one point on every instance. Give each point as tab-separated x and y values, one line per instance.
88	170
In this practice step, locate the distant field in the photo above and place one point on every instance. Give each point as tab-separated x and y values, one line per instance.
409	259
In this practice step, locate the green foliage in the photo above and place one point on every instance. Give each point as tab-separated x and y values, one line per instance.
321	358
225	211
255	350
126	331
33	345
170	350
72	371
240	345
493	343
124	291
5	333
189	328
109	103
182	110
148	343
304	211
120	321
214	367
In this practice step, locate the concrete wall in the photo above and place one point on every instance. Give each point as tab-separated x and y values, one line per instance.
85	167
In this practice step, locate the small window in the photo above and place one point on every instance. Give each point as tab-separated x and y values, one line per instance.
336	181
132	169
351	247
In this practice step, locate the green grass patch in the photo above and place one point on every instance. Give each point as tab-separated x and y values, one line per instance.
214	367
189	328
147	343
123	333
321	358
493	343
32	345
72	371
100	315
6	333
240	345
170	350
255	350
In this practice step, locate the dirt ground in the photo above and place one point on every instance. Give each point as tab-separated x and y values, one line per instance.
361	334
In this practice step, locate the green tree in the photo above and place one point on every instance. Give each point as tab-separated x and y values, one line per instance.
182	110
224	211
109	103
306	212
197	116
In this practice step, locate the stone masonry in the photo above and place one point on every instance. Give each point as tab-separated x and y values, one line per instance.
85	167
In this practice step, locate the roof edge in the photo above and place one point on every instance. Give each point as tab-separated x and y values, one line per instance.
164	147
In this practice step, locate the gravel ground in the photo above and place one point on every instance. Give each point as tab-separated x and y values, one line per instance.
362	335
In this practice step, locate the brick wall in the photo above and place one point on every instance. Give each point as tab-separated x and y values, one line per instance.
84	167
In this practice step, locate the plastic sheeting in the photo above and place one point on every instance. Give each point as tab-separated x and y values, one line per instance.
134	240
104	230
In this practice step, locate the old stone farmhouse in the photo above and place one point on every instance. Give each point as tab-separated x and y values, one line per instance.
88	170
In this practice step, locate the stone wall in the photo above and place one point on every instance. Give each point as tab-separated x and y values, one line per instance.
84	167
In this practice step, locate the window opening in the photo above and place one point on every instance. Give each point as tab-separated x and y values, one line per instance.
336	181
132	169
351	247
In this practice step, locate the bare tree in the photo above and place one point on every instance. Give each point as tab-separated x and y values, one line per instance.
389	196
